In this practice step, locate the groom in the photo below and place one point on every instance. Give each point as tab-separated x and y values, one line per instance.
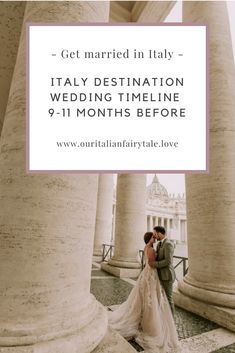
164	263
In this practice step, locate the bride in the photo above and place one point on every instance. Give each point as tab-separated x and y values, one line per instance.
146	313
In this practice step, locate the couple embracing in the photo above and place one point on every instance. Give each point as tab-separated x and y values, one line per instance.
148	312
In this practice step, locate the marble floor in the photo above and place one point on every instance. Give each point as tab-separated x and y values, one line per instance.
197	334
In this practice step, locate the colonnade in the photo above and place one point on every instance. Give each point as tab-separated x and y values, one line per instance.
48	221
153	221
176	227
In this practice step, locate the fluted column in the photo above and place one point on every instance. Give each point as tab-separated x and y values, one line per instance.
130	225
103	225
46	230
211	198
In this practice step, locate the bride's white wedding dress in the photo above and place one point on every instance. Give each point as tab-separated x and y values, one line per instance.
146	315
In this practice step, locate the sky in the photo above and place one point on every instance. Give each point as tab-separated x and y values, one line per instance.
175	183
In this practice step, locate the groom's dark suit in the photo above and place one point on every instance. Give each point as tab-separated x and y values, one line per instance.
165	268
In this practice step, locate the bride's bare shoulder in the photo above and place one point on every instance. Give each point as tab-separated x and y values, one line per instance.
149	251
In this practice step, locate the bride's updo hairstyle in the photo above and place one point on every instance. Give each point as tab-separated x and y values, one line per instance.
147	237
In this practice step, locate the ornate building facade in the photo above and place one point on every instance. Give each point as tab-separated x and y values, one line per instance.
163	209
167	210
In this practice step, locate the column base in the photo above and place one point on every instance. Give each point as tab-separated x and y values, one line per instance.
215	296
97	258
113	343
124	264
120	272
224	317
83	340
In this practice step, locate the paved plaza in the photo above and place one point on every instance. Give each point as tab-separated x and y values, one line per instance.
196	334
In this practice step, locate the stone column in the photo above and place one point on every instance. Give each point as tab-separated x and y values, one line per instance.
151	11
148	221
209	287
130	225
168	225
12	14
158	220
103	226
151	223
179	229
46	230
113	223
183	230
165	223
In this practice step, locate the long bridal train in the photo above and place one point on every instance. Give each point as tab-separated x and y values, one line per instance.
146	315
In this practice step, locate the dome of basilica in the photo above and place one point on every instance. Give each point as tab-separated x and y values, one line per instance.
155	189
